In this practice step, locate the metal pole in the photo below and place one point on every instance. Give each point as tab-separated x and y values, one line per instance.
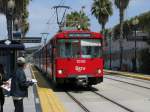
121	33
110	52
11	19
9	15
44	35
9	26
121	52
135	23
135	50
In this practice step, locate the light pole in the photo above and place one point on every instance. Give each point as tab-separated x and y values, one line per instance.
110	51
135	22
80	19
10	11
16	22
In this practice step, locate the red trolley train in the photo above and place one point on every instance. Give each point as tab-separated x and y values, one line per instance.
72	56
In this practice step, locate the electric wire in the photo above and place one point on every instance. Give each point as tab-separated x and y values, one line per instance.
52	21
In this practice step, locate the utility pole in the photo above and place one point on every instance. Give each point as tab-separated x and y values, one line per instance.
9	16
110	50
135	22
44	35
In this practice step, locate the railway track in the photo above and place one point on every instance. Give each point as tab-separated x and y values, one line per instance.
114	102
100	95
85	109
130	78
133	84
78	102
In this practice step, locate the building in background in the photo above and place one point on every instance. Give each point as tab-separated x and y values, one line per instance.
112	53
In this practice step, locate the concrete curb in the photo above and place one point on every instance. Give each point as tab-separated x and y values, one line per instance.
37	100
127	74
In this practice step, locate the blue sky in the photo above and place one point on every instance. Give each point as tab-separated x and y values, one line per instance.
41	12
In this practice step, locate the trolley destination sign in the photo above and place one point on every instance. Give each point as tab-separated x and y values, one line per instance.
79	35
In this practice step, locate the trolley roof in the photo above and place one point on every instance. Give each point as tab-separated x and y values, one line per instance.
77	34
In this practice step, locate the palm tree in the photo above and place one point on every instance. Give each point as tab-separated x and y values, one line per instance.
121	5
84	21
77	18
20	11
102	9
72	19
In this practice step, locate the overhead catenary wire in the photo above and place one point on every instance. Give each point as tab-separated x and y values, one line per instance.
53	15
52	21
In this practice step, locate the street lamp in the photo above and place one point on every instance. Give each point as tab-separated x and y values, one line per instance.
16	22
10	11
110	49
10	5
135	22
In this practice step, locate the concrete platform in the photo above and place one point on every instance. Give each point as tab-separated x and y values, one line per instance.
30	103
47	97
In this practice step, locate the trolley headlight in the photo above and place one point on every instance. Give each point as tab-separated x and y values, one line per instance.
60	71
99	71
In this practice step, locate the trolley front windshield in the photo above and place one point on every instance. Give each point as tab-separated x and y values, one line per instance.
76	48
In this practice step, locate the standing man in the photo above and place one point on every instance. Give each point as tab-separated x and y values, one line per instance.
19	85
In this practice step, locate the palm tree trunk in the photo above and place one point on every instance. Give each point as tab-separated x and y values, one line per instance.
103	28
121	36
103	40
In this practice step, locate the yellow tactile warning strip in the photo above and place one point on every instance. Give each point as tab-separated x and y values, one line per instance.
48	100
127	74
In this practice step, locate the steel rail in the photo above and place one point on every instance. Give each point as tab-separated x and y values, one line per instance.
128	83
131	78
78	102
114	102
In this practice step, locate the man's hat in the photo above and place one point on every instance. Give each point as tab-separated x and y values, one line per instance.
21	60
